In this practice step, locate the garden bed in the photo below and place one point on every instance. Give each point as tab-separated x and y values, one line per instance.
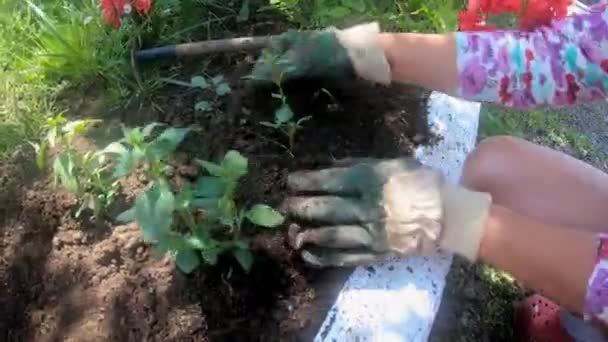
95	280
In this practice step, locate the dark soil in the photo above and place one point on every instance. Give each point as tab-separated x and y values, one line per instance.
64	279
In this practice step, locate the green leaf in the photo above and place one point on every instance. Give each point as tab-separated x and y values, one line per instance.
199	81
283	114
357	5
115	148
154	211
234	164
244	257
213	168
126	216
269	124
167	142
40	150
265	216
204	106
146	131
51	136
63	168
210	254
223	89
339	12
217	79
78	127
209	187
187	260
126	163
244	12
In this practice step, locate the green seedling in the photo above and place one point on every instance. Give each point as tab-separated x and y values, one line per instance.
283	117
284	122
137	148
86	174
202	220
218	85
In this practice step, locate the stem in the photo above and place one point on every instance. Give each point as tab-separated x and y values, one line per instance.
188	219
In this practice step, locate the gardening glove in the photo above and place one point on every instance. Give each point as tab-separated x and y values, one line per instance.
372	209
331	53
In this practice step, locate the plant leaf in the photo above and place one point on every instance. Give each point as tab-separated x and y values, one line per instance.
40	150
126	216
265	216
115	148
283	114
63	168
210	254
199	81
217	79
167	142
204	106
357	5
213	168
78	127
223	89
126	163
269	124
234	164
244	257
243	12
154	211
209	187
146	131
187	260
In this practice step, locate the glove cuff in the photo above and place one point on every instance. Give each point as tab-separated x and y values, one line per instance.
367	57
464	216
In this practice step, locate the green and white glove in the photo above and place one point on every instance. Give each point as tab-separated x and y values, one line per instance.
331	53
364	211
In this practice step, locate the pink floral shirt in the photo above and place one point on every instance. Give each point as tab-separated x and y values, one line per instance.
564	64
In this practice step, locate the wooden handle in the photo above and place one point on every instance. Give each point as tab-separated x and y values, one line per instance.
205	47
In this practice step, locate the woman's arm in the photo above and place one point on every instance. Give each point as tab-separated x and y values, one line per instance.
563	64
555	260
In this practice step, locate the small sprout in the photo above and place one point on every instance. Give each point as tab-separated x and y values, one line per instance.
85	174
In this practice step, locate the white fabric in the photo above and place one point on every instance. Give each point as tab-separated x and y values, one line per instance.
397	300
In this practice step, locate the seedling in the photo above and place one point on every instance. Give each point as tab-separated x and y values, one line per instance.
202	220
220	88
136	149
284	116
283	122
86	174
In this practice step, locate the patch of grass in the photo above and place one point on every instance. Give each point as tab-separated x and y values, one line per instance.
403	15
543	127
478	304
24	107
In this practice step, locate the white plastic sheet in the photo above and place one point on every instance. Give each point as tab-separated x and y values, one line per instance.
397	300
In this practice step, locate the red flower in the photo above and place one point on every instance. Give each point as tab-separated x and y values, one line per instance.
532	13
113	10
142	6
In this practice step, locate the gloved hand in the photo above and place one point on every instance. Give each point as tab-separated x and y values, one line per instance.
369	209
330	53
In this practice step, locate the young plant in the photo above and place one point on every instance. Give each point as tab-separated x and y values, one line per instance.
284	122
283	117
136	149
202	220
220	88
86	174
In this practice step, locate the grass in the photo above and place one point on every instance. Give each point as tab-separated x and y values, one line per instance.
543	127
402	15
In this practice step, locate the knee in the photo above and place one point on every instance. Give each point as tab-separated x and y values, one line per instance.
488	166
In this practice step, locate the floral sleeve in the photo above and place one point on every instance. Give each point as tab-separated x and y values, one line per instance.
559	65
